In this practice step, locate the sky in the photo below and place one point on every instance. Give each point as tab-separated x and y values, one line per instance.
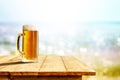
59	11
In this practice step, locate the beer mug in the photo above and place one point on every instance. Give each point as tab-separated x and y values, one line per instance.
29	43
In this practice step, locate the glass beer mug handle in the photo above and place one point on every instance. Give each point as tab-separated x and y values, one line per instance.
18	45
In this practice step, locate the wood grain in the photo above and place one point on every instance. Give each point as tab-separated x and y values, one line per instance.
53	63
4	60
76	67
16	67
4	78
48	78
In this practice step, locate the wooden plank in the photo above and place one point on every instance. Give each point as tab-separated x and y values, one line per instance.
4	60
2	57
76	67
4	78
53	63
48	67
49	78
52	66
18	68
3	63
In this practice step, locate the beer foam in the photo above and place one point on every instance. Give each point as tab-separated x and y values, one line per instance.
30	27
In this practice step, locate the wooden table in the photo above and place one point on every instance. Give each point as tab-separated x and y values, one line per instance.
47	68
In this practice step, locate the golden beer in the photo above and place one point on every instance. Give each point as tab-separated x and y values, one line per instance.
29	43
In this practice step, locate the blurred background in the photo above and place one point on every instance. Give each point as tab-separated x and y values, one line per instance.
88	29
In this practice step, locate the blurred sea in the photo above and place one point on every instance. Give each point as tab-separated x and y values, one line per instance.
8	34
93	38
